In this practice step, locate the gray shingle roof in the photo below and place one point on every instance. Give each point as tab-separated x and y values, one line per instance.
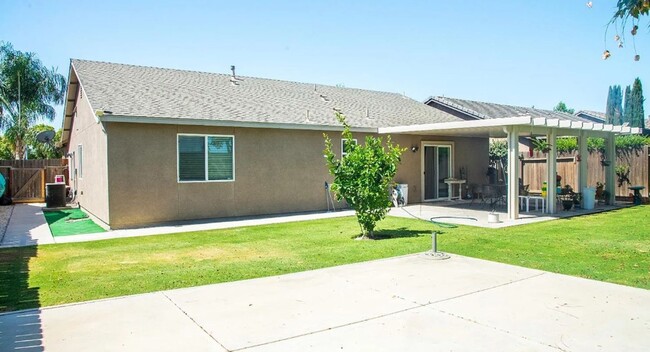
482	110
138	91
594	116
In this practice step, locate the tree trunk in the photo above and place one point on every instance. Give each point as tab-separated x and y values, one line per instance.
20	150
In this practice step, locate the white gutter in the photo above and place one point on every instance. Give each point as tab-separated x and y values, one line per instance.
229	123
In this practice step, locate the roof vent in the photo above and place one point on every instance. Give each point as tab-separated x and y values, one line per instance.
234	80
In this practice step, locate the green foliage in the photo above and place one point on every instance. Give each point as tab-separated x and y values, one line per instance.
566	144
627	143
596	145
614	109
626	106
6	149
636	114
541	144
363	176
498	151
28	91
634	8
623	173
39	150
561	107
632	142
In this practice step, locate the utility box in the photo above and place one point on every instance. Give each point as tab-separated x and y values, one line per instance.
55	195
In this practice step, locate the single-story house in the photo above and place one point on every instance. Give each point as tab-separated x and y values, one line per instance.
151	145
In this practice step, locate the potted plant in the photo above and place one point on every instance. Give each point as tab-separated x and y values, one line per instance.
567	197
541	144
601	194
623	174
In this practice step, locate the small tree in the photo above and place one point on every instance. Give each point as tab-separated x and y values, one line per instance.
363	176
561	107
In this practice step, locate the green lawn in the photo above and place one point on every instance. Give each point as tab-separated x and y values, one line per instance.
610	246
68	222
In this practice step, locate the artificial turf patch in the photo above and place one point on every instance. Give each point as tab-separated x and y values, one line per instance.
70	222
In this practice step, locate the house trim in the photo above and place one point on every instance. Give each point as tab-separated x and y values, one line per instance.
229	123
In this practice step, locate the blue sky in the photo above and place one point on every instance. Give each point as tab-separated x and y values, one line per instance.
513	52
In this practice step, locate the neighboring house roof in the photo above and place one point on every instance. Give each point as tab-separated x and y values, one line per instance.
151	94
593	116
483	110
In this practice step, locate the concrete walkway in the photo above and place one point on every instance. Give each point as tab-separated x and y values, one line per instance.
408	303
26	227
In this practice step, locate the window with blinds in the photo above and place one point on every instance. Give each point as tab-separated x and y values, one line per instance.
206	158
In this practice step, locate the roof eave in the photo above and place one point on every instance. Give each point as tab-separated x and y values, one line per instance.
228	123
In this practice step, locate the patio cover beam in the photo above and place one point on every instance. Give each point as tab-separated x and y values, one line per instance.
497	127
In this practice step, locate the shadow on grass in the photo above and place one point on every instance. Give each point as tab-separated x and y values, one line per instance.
53	216
20	330
402	232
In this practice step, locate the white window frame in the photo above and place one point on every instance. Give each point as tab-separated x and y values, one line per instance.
205	141
343	153
80	161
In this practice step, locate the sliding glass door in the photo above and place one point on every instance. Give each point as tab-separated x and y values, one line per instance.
437	166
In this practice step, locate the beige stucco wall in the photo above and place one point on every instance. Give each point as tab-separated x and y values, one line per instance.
470	153
276	171
92	187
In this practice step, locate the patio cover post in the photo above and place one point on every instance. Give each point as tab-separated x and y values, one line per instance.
513	173
610	156
582	164
551	163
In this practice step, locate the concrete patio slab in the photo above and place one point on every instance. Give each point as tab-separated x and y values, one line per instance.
406	303
463	212
239	316
420	329
27	227
138	323
566	312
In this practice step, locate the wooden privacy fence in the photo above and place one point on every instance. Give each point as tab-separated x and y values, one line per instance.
26	179
533	170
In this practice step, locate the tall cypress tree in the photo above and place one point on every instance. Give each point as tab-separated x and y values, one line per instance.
609	108
636	104
618	105
627	109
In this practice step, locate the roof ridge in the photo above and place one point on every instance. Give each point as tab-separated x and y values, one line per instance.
242	76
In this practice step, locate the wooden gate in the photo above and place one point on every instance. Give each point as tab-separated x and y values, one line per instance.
26	179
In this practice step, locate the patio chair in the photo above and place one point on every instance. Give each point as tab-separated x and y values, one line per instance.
475	191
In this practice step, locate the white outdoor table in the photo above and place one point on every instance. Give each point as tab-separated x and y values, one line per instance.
453	181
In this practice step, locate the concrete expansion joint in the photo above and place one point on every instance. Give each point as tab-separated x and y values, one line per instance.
485	289
194	321
507	332
327	329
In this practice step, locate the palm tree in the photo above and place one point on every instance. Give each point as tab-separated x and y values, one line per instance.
28	91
